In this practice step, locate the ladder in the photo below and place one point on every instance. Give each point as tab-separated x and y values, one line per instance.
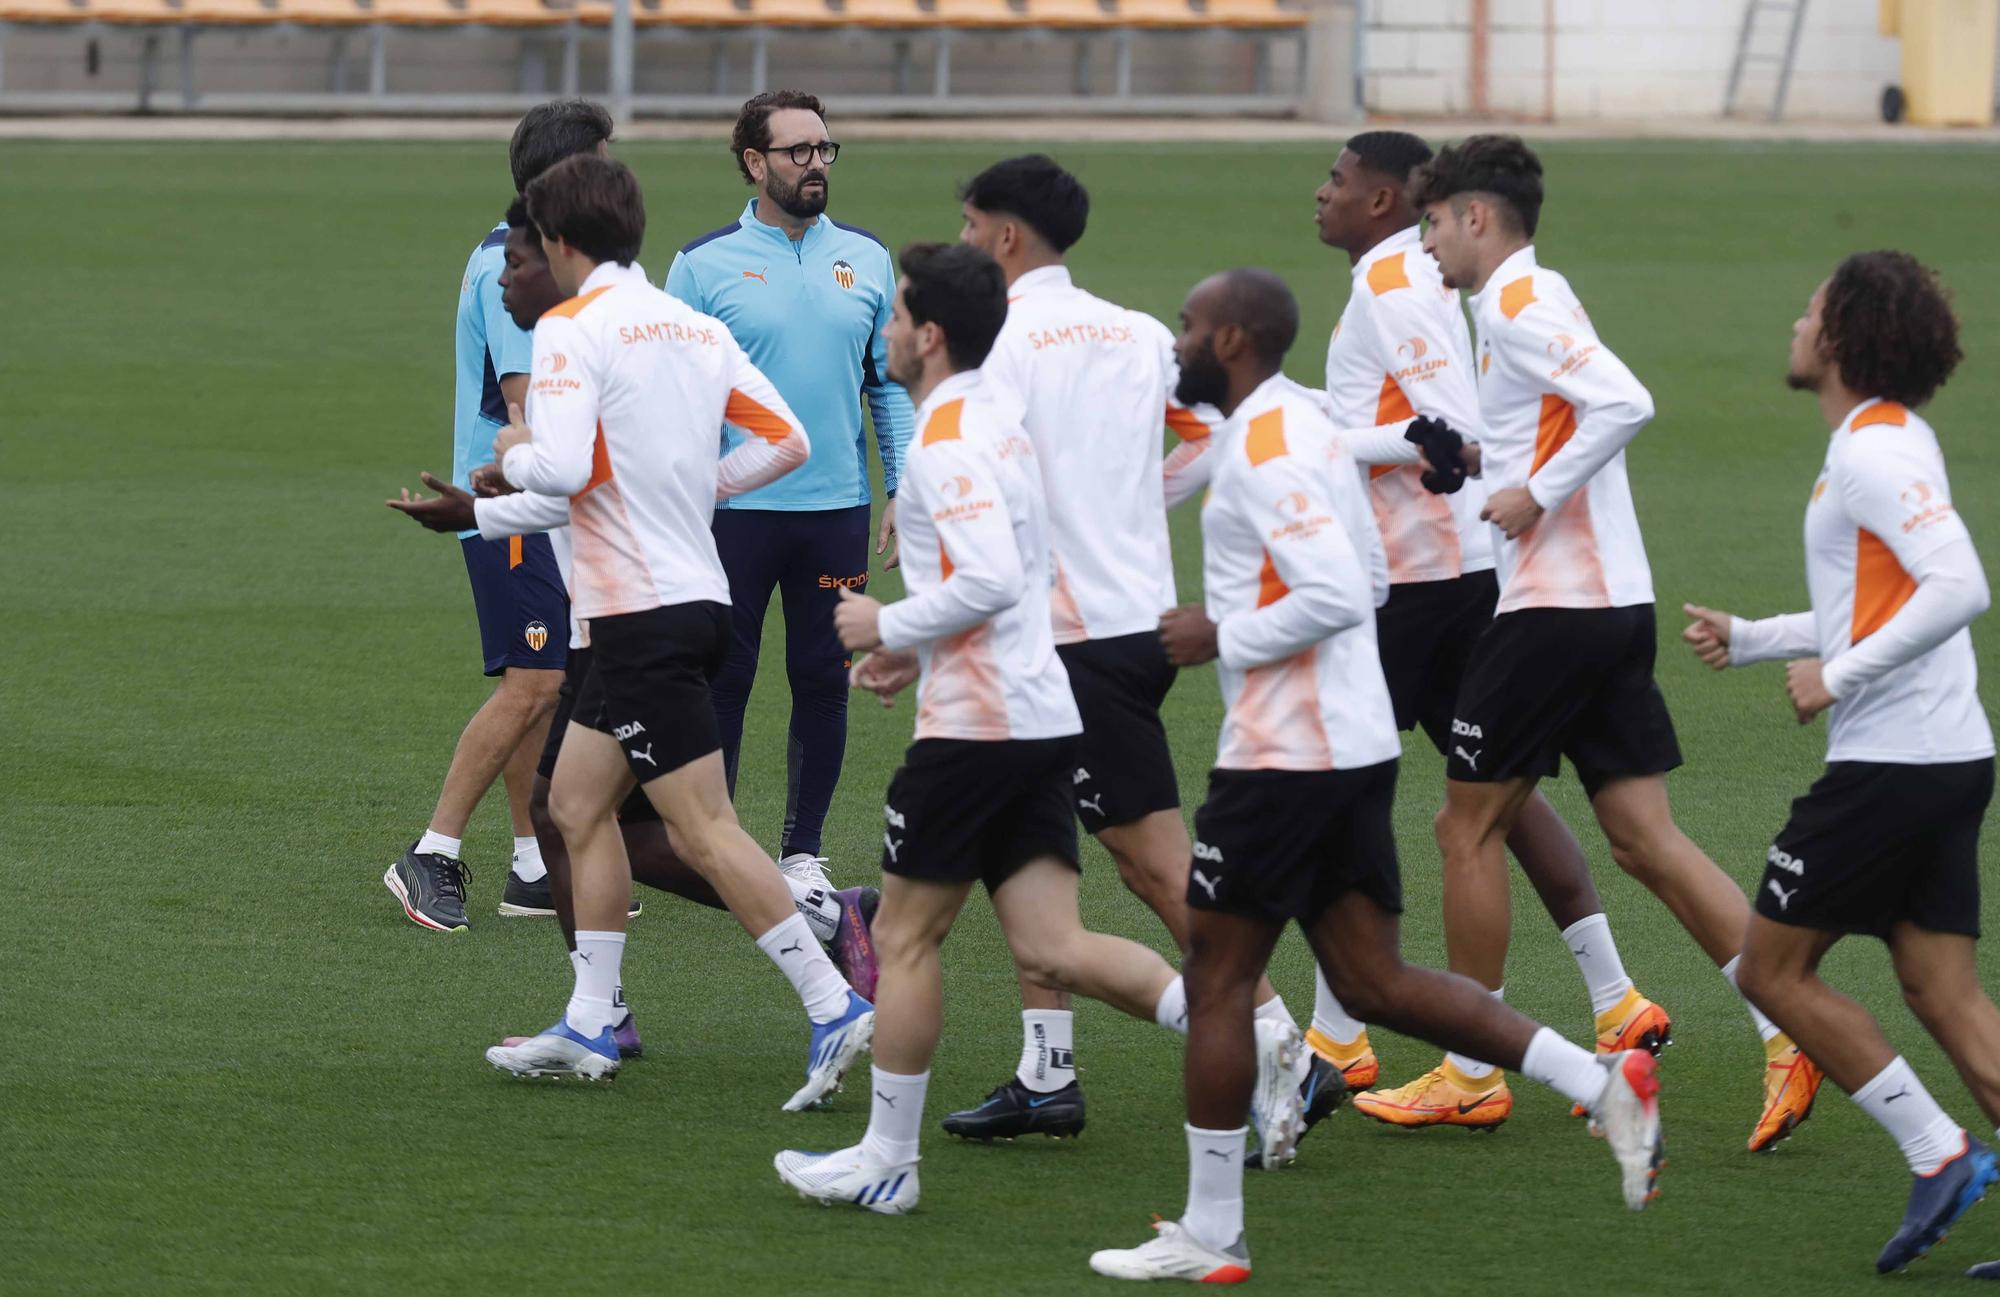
1746	56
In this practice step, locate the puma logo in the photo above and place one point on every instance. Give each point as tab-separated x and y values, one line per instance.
1784	897
584	957
1206	883
890	1100
646	756
1216	1152
758	275
793	949
1094	803
1900	1094
1471	759
1582	952
892	845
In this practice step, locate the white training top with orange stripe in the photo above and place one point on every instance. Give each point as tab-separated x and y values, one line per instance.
1895	583
1558	409
976	577
1400	350
1284	531
1095	385
630	391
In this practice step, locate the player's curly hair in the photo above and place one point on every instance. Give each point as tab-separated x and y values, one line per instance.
1887	325
753	124
1501	166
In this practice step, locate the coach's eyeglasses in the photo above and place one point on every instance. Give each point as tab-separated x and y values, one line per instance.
802	154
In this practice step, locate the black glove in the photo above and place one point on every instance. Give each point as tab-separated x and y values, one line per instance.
1442	449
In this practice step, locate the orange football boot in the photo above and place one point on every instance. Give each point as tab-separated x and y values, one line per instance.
1791	1083
1635	1022
1443	1096
1356	1060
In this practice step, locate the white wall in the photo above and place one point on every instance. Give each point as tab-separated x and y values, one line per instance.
1621	58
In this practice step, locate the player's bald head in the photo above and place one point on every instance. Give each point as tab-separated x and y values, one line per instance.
1255	301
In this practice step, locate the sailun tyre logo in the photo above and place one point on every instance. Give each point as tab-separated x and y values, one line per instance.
843	274
1415	348
956	488
554	363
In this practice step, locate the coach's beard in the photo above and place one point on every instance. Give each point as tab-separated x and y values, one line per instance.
795	202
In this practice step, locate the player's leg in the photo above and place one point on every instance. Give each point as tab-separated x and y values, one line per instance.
829	552
880	1173
748	546
1037	909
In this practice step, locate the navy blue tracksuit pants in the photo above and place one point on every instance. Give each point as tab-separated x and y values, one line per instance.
807	557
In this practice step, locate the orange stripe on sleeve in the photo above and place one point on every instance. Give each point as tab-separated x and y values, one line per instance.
943	423
513	552
1391	405
600	466
1881	586
1186	424
1517	296
754	416
1270	588
1266	438
945	568
1886	412
1388	274
568	310
1557	426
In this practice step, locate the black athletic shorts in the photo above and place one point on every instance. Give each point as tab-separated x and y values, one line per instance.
1426	632
1549	683
960	810
648	684
1281	845
1872	845
638	806
1124	769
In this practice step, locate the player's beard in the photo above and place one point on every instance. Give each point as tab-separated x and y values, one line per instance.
1801	382
794	202
1203	379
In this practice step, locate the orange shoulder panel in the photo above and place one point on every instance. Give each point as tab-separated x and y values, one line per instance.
1517	296
1388	274
568	310
943	423
1266	439
1888	412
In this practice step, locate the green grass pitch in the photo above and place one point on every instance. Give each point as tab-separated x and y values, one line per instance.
233	680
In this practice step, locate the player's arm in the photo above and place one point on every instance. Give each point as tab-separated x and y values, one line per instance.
682	282
1898	495
519	513
1766	639
1352	505
1611	405
1326	589
510	349
975	532
777	443
554	458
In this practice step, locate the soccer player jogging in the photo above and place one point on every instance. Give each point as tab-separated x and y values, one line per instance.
631	386
1399	352
1094	383
983	795
808	298
529	291
1565	668
1886	842
517	589
1297	825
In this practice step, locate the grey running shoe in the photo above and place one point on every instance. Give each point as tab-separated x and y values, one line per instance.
431	888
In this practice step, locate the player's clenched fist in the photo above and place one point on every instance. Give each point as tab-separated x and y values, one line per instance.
1807	689
1188	634
1708	634
514	434
857	620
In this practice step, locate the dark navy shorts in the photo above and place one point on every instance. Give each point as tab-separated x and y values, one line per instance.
523	608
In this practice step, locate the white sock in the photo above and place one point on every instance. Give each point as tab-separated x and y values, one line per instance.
1597	959
895	1117
1048	1042
1898	1100
821	912
1215	1185
528	866
1765	1027
1329	1018
1570	1070
1274	1010
437	844
798	956
1472	1067
595	1003
1171	1011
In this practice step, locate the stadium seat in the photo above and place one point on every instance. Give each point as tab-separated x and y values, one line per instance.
325	13
44	11
1159	14
137	13
693	13
519	13
1251	13
794	13
884	13
1086	14
977	13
